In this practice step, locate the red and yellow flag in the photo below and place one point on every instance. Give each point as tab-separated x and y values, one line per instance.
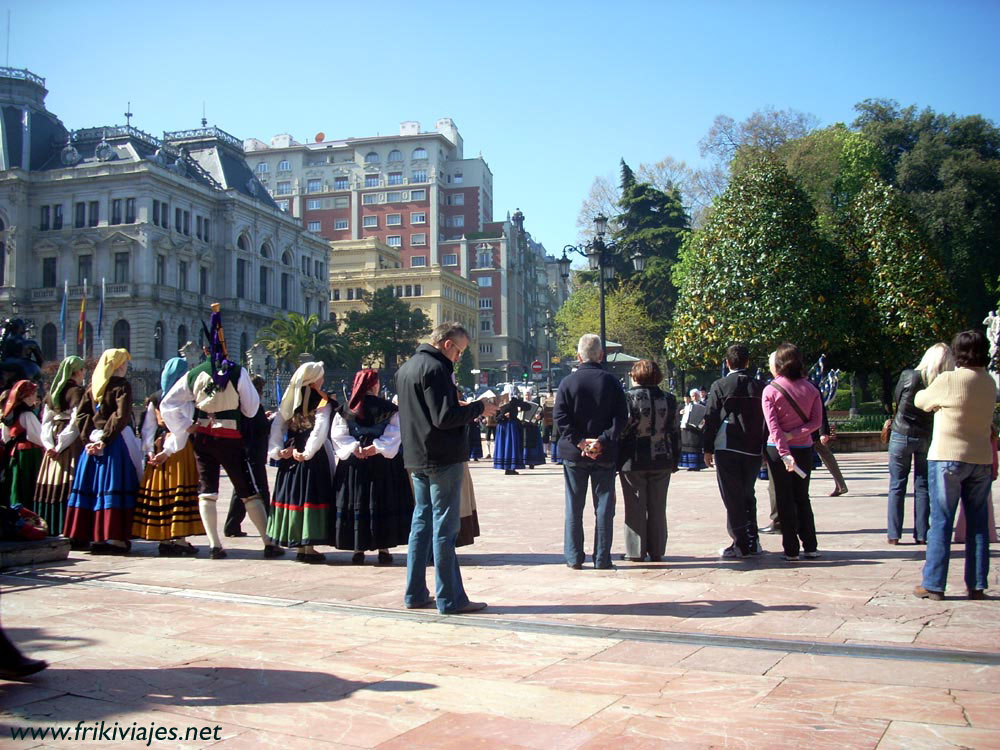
83	317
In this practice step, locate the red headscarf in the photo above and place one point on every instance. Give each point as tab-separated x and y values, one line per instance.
20	391
364	381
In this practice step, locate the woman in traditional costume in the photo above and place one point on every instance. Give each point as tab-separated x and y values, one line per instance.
62	444
508	450
300	432
692	422
374	495
475	441
102	501
22	436
534	448
166	509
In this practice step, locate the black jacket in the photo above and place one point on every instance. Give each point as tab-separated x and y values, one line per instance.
590	404
651	440
910	420
432	424
734	420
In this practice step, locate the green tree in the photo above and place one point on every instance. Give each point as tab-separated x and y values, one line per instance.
288	338
388	329
758	271
463	370
628	321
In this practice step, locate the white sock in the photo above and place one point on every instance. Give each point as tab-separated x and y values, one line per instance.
209	519
258	517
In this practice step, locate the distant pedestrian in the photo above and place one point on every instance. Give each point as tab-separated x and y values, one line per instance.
433	425
692	423
590	412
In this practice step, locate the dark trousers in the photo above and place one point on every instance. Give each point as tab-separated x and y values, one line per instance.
213	454
792	494
736	474
645	496
258	472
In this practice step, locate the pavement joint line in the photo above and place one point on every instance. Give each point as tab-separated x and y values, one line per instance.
813	648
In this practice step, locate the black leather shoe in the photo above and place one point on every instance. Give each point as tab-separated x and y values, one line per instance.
273	550
22	667
575	566
217	553
771	529
235	534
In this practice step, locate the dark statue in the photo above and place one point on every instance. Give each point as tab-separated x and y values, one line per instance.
20	357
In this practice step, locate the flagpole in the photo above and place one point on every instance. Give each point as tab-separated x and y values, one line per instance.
100	317
83	320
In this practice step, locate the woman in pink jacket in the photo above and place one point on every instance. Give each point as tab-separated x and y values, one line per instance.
793	411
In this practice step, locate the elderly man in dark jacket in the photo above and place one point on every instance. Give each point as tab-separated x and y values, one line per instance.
435	448
590	413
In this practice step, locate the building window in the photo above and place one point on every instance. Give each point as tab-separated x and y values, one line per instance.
393	220
161	266
182	275
158	340
187	223
417	290
262	168
418	260
314	226
335	295
418	218
341	183
284	166
156	212
241	278
418	239
371	180
84	269
164	215
418	195
394	196
121	268
49	272
286	290
93	213
314	186
458	178
284	188
342	202
370	222
314	204
57	216
43	221
350	293
394	240
484	281
203	280
80	215
456	199
130	210
121	335
182	336
341	224
178	219
399	291
485	325
116	212
395	155
369	199
455	221
486	348
408	291
420	153
263	285
451	259
484	259
197	226
419	175
283	206
371	158
395	178
485	303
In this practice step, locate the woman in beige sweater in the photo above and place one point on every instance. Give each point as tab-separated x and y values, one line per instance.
960	463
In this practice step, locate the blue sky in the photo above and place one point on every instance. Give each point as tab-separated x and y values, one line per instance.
552	93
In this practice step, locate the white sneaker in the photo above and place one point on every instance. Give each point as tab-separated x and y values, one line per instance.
811	555
731	552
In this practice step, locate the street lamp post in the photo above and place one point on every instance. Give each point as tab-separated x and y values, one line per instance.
600	256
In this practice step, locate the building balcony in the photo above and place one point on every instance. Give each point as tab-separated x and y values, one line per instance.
44	295
118	290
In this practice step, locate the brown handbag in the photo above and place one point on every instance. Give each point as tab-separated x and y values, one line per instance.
886	429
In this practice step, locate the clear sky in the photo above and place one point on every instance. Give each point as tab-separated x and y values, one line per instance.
551	93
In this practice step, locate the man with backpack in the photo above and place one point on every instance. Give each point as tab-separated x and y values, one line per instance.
734	438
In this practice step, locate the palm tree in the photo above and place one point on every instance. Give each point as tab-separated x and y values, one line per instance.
287	339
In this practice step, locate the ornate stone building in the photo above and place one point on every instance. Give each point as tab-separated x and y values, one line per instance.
169	224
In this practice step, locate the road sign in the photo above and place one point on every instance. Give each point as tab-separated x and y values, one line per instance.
536	366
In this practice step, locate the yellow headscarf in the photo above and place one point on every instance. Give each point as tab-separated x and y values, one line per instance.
110	361
307	374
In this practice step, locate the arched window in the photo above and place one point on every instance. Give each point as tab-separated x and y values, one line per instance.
243	243
371	158
50	349
182	336
262	168
420	153
286	258
158	334
265	250
244	347
395	155
121	335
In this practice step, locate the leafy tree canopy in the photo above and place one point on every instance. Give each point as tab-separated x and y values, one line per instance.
288	338
628	321
387	330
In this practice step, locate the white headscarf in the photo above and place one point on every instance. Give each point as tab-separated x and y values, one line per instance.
306	375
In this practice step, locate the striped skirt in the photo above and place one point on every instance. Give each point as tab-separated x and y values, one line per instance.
166	506
55	481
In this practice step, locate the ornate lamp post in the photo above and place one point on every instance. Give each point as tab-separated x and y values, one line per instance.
600	256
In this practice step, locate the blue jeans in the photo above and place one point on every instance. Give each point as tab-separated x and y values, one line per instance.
901	448
950	482
602	481
437	495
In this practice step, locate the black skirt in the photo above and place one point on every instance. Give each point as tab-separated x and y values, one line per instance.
374	503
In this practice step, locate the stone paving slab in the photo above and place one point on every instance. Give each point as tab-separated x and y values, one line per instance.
278	654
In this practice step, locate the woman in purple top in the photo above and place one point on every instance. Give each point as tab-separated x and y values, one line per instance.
793	411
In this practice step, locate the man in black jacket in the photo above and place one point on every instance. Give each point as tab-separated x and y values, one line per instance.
435	449
590	413
734	437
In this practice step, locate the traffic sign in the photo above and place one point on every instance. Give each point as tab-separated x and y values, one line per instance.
536	366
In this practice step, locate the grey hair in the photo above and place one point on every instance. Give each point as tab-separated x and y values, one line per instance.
447	331
936	360
589	348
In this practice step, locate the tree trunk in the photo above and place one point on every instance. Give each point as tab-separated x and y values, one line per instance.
854	396
886	389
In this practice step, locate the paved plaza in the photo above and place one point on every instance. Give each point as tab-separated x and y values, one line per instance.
693	652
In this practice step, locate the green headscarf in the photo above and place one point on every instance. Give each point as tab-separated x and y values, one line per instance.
66	368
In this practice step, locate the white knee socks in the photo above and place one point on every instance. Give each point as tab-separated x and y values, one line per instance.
258	516
206	509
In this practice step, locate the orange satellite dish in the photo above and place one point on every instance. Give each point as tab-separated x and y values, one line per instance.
320	136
